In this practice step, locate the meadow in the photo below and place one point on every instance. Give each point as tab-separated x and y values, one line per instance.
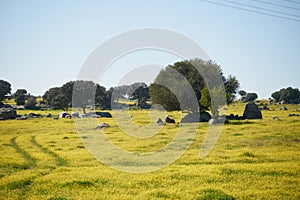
253	159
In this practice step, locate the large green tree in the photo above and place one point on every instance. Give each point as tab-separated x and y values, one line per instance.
19	96
251	96
31	102
197	74
288	95
5	89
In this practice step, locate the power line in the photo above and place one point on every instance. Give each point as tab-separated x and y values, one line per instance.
260	8
275	4
248	10
293	1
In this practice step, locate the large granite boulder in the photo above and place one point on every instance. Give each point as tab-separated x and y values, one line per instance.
8	113
203	116
252	111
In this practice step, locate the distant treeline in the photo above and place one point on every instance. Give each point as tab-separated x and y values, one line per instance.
191	70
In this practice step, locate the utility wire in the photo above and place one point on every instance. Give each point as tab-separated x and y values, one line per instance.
275	4
293	1
248	10
260	8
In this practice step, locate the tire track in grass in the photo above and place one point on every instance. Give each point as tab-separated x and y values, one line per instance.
60	161
31	162
23	185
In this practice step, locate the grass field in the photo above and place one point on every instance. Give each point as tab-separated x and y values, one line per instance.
255	159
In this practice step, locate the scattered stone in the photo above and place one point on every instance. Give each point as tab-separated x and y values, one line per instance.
75	114
63	114
33	115
68	116
104	114
97	115
292	115
283	108
265	108
218	120
21	118
103	125
252	111
170	120
276	118
203	116
234	117
8	113
48	115
160	122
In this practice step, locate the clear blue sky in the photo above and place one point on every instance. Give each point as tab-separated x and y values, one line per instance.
44	43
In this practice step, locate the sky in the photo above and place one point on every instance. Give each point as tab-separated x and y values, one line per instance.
45	43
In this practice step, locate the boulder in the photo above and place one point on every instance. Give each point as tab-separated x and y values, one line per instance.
103	125
48	115
33	115
21	118
203	116
252	111
63	114
8	113
160	122
170	120
104	114
75	114
283	108
292	114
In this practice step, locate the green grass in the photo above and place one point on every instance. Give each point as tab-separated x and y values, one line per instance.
254	159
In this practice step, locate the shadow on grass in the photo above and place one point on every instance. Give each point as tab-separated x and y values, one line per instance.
240	122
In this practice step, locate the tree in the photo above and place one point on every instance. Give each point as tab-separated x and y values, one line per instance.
52	96
243	93
288	95
101	97
205	97
251	97
84	93
276	96
107	99
161	93
5	89
19	96
231	86
31	102
141	94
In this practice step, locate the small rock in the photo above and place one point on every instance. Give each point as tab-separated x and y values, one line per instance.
160	122
103	125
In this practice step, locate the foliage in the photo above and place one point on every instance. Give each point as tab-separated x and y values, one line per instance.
141	94
231	86
19	96
205	97
243	93
288	95
86	93
31	102
168	81
5	89
251	97
50	95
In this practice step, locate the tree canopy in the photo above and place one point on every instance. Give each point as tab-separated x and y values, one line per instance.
19	96
251	97
5	89
187	75
288	95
